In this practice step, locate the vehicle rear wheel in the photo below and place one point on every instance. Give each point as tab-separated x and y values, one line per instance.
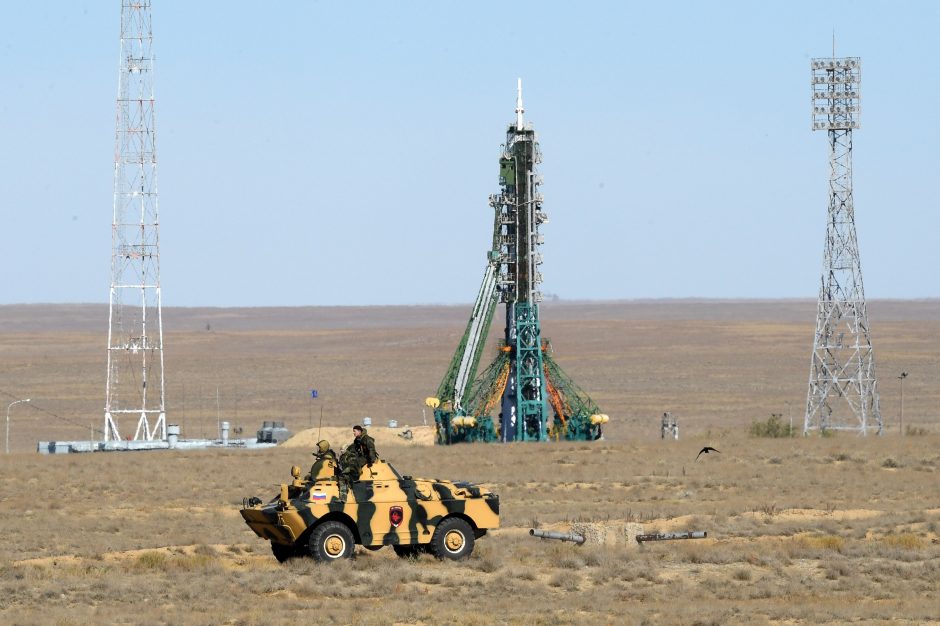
452	539
282	551
331	541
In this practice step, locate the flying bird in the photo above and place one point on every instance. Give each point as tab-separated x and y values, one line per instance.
706	450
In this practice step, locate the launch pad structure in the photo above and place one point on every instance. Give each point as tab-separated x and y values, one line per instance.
523	395
843	392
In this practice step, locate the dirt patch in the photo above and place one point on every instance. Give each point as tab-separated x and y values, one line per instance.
803	514
232	557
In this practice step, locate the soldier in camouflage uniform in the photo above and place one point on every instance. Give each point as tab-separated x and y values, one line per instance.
360	453
364	446
324	455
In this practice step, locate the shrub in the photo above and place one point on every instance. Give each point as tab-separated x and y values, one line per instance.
565	580
768	509
773	428
742	574
525	574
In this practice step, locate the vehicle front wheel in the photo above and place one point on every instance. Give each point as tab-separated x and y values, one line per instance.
452	539
331	541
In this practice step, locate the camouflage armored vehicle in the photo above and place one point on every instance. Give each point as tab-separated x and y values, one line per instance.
319	516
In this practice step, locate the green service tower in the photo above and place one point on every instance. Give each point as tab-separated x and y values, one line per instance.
523	395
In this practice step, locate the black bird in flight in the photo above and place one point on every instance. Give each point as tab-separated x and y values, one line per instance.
706	450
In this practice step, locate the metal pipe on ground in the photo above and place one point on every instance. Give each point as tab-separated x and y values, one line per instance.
551	534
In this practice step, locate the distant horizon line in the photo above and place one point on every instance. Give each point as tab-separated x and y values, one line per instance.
562	301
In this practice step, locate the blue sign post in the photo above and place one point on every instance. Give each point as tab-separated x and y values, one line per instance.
314	394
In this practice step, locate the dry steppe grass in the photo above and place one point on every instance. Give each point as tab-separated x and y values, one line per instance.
801	531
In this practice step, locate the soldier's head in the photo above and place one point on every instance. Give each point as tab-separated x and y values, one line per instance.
357	430
323	447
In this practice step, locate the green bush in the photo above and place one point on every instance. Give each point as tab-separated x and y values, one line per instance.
773	427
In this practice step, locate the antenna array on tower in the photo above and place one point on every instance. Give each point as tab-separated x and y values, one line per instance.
842	386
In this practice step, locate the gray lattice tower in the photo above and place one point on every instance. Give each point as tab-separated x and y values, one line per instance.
843	393
135	386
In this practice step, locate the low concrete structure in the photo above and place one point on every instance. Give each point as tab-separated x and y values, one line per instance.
65	447
172	442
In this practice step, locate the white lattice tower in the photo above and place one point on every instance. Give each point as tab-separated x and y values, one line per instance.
843	391
135	385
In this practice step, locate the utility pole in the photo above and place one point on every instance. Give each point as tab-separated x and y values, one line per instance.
314	394
901	412
9	406
843	392
135	384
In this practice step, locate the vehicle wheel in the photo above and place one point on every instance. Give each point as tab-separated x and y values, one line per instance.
331	541
453	539
282	552
407	551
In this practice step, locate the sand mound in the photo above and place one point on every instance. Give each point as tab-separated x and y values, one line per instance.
608	534
602	533
340	436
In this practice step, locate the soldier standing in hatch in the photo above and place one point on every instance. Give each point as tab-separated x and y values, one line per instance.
324	456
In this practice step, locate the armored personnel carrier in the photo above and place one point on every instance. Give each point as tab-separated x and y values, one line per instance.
320	516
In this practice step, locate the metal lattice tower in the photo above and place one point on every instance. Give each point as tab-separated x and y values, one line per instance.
843	392
135	385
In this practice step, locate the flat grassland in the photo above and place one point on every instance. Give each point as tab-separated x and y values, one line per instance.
816	530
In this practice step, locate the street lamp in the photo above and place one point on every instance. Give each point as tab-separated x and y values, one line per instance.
9	406
901	418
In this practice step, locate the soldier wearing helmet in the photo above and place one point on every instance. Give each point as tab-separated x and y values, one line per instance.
325	465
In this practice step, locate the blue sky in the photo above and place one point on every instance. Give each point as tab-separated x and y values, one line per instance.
320	153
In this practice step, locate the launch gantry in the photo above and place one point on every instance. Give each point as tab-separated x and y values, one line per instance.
512	398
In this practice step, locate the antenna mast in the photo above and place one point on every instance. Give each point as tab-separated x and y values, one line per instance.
135	385
843	392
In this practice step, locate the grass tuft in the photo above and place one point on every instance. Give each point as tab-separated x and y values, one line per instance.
905	541
152	560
